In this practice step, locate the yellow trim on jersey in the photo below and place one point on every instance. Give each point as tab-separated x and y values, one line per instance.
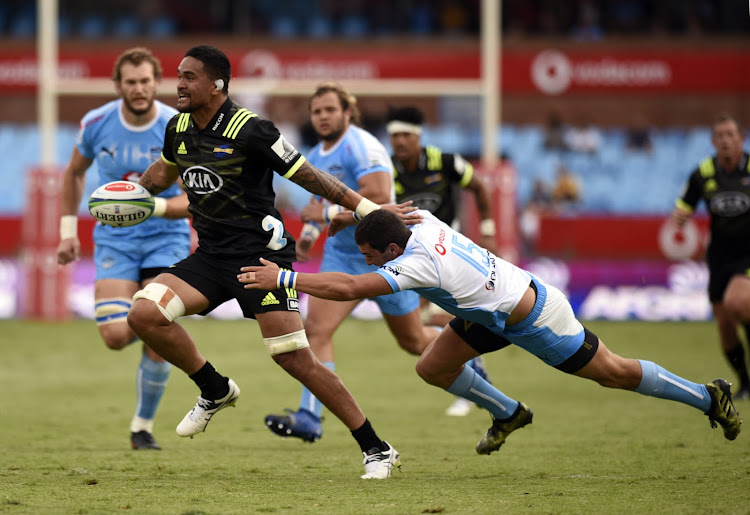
434	158
683	205
468	174
398	188
707	168
237	121
183	122
167	160
295	167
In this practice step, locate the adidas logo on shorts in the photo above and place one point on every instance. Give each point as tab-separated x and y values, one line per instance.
269	299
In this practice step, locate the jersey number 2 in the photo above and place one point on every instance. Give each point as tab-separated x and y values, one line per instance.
278	241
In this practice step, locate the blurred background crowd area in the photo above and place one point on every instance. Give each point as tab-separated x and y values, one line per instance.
594	149
588	20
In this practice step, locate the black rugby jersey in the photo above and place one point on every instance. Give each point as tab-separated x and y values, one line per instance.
430	185
227	170
727	197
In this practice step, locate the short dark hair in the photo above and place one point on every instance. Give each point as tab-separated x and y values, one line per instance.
726	116
408	114
215	62
381	228
136	56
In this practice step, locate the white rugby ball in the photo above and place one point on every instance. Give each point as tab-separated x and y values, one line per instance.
121	204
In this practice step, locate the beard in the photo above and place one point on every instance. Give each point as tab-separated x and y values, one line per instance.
138	112
332	136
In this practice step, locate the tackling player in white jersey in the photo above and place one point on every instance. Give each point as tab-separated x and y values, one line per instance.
495	303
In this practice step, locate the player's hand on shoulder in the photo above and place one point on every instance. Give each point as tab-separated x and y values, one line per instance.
406	211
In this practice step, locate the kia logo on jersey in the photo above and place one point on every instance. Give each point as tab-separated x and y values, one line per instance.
201	180
729	203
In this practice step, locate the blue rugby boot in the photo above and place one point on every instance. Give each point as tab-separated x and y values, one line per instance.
298	424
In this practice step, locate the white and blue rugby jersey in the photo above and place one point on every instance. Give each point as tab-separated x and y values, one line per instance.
122	152
356	154
455	273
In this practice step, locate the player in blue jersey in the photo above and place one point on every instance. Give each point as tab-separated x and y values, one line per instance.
494	302
359	160
123	137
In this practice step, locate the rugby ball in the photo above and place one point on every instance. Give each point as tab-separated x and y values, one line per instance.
121	204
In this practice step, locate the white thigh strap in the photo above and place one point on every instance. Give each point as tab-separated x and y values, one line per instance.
165	298
286	343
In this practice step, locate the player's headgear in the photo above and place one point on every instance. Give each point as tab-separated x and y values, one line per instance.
404	119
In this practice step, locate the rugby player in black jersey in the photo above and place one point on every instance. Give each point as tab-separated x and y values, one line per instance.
226	156
722	181
429	176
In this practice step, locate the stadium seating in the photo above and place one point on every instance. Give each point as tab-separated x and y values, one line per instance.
614	180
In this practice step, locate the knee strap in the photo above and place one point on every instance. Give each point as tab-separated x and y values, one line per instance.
286	343
108	311
165	298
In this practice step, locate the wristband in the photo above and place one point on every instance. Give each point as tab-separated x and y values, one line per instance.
331	211
364	208
68	227
487	227
310	230
286	279
160	206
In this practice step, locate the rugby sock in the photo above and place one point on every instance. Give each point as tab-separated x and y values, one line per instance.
151	380
471	386
212	384
657	382
309	402
736	358
367	439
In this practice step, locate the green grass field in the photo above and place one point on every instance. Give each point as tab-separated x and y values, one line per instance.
68	403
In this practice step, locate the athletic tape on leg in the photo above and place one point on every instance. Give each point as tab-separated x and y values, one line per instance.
286	343
108	311
165	298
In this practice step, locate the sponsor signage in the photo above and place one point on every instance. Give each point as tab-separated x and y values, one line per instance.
550	71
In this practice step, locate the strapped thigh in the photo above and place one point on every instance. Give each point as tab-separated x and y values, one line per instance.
170	305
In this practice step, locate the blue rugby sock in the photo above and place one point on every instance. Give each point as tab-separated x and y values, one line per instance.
657	382
471	386
150	381
311	403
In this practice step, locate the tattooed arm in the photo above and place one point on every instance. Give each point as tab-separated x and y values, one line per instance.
159	176
326	185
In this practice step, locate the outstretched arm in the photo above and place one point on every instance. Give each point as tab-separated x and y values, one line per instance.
325	285
329	187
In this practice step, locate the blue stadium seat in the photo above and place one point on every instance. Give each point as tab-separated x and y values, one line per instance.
320	27
126	26
92	26
284	27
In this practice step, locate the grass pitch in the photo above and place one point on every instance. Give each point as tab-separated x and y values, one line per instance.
68	402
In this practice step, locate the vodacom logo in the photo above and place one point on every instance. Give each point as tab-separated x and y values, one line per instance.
551	72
